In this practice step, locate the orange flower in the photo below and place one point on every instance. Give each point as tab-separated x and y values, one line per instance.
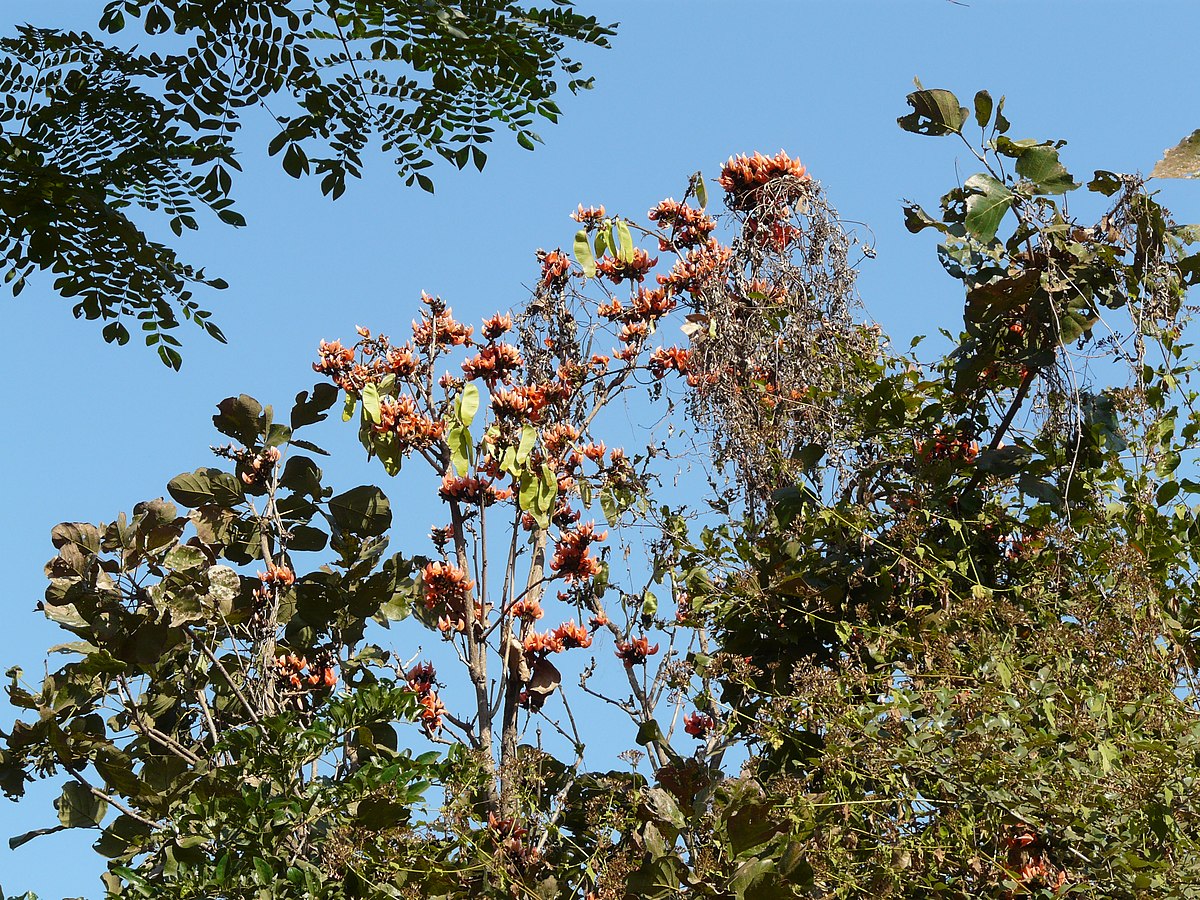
635	652
494	363
541	644
589	218
667	359
571	557
555	266
445	583
689	226
617	270
702	266
277	575
527	609
439	328
742	176
497	325
556	438
571	635
471	490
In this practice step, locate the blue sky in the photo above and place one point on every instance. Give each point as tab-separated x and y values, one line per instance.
92	429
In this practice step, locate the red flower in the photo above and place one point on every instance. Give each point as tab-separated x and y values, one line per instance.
698	725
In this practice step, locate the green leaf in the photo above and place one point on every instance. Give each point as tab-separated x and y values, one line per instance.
649	603
363	511
935	112
1038	163
308	411
78	807
625	249
983	108
1180	161
583	254
1106	183
701	191
468	404
370	403
302	476
528	441
241	418
986	206
462	449
206	486
917	220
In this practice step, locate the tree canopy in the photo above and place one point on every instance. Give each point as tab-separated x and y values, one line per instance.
932	629
104	144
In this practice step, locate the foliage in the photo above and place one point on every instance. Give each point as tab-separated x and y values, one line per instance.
95	134
942	614
965	657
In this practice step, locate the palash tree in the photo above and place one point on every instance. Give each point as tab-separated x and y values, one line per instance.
950	631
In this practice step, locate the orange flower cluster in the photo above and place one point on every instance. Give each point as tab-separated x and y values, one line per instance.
669	359
617	270
472	490
422	680
1027	858
589	218
571	557
635	652
256	467
495	363
567	636
336	362
595	452
540	644
290	670
527	609
438	327
572	635
557	438
774	233
523	402
698	725
742	176
498	324
400	361
446	583
555	267
413	431
944	446
702	265
280	575
646	306
689	226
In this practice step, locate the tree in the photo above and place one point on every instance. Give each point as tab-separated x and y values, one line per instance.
944	610
94	136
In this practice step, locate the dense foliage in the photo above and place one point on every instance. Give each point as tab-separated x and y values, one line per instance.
930	632
97	139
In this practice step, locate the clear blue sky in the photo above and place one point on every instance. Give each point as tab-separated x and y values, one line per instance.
92	429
